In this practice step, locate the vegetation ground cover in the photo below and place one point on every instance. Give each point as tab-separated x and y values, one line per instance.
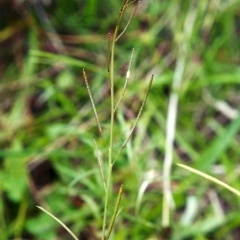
49	133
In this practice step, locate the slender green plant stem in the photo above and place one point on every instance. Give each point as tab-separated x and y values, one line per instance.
109	173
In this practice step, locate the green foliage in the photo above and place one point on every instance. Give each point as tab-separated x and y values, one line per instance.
46	117
14	175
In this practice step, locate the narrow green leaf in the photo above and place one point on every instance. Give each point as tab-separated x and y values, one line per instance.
115	212
218	146
93	104
213	179
60	222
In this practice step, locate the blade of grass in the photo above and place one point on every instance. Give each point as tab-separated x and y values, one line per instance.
218	146
170	135
21	218
66	60
115	212
213	179
168	202
93	105
60	222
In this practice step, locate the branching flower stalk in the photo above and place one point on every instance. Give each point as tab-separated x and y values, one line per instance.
111	160
111	76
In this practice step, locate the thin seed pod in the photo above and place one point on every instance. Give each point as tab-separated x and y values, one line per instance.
130	19
93	105
139	114
126	80
115	213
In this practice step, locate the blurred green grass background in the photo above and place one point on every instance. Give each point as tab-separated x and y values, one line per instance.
47	150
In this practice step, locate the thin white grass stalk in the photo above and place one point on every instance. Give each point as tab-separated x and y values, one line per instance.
100	162
110	158
168	202
93	105
115	213
139	114
213	179
60	222
170	135
126	80
130	19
